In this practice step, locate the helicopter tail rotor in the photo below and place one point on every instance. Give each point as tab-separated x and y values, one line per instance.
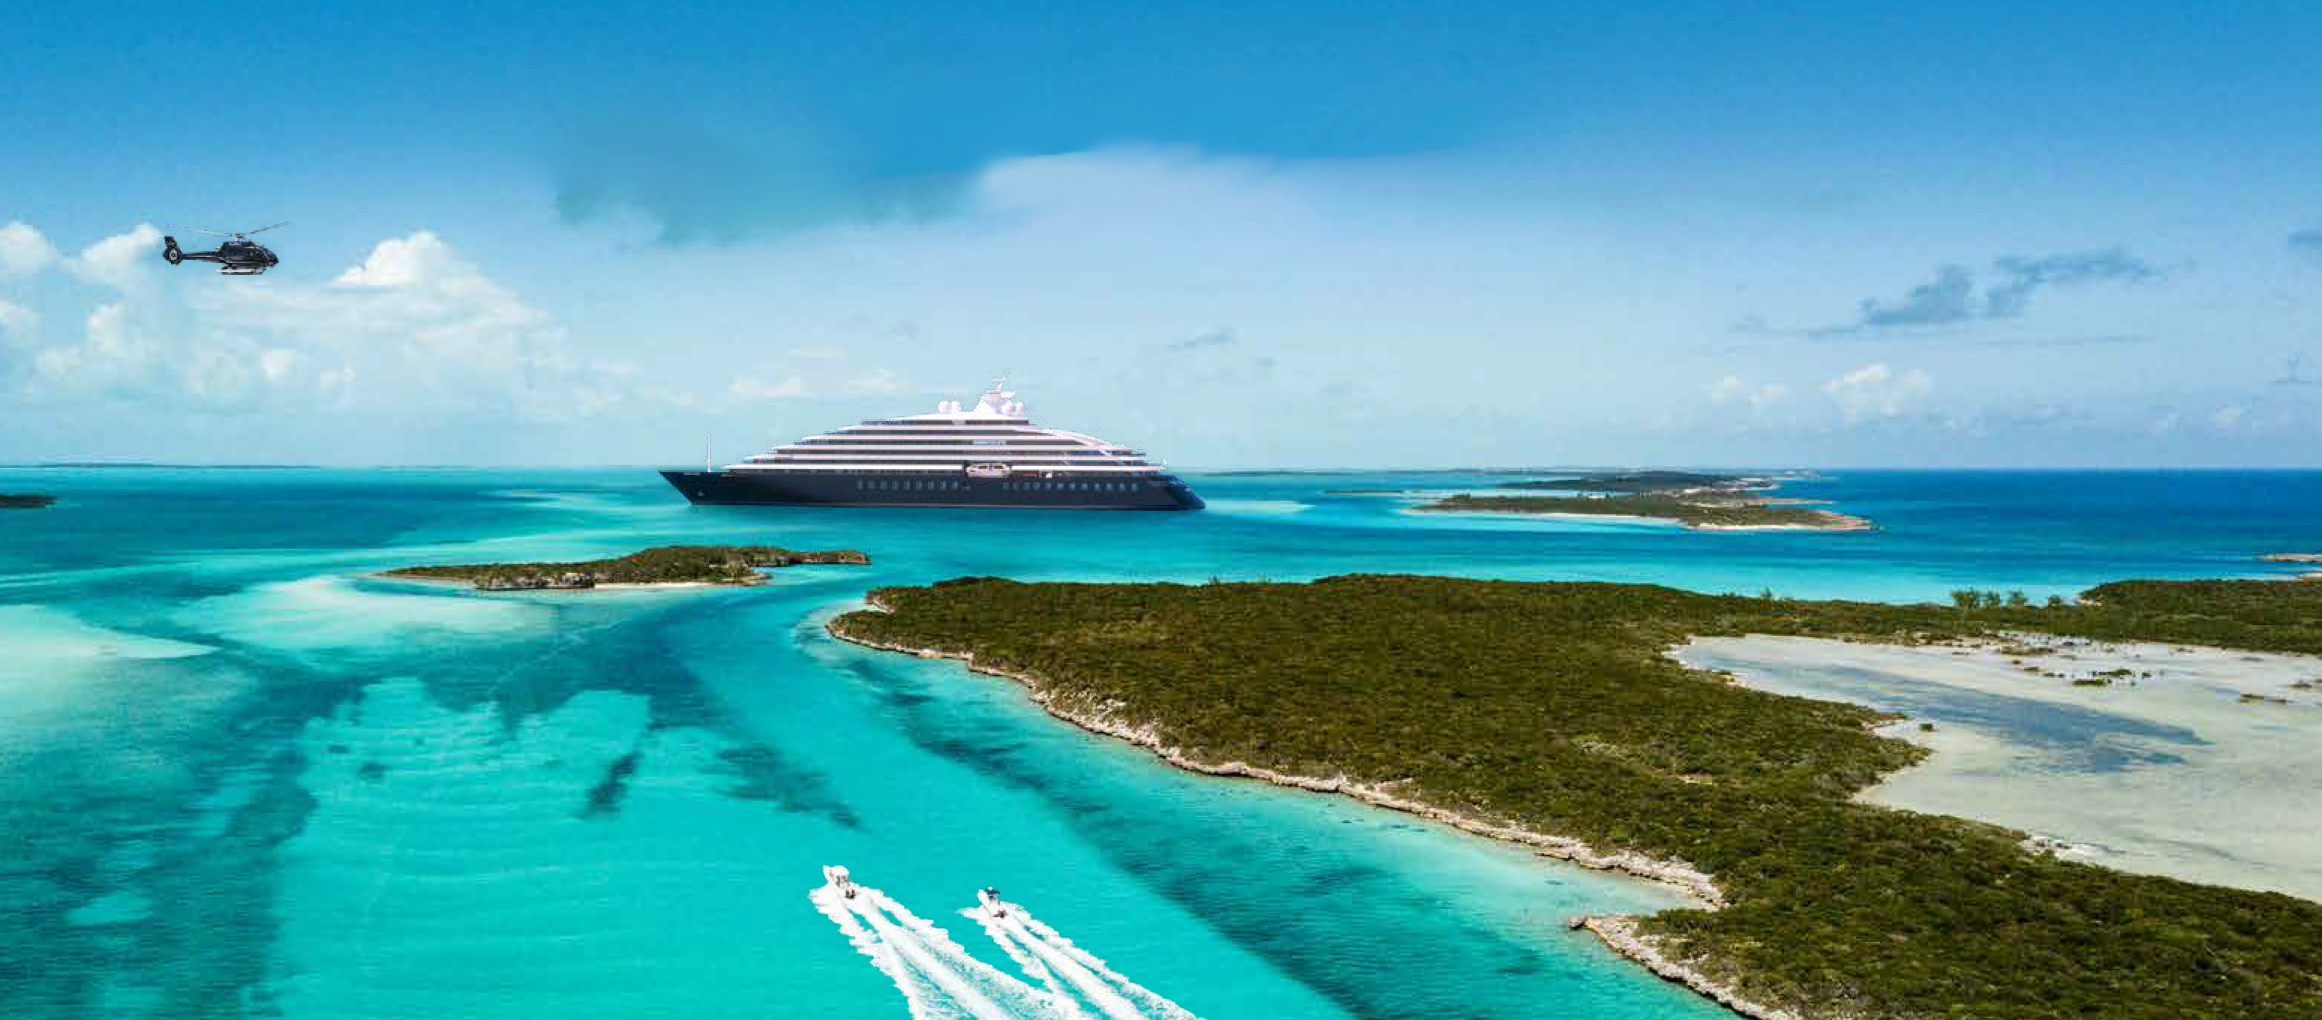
169	251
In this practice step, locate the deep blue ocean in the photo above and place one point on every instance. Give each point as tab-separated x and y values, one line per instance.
239	777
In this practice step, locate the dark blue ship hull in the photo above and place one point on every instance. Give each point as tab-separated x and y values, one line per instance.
782	488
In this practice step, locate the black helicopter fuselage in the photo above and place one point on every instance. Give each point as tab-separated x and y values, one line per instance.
235	257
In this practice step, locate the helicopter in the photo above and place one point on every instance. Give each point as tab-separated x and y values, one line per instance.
238	256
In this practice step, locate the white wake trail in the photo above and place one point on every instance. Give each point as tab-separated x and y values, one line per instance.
834	905
1030	942
937	977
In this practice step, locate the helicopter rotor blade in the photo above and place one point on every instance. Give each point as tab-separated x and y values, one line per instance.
197	230
262	230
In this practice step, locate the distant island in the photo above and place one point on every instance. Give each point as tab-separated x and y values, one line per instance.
1701	511
1646	481
663	565
163	464
1548	714
2310	559
24	501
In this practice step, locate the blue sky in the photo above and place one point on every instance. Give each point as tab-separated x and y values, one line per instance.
1280	234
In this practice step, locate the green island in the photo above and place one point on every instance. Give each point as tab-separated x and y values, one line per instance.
1547	713
669	564
24	501
1723	512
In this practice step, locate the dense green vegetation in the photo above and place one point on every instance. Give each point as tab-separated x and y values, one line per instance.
24	501
1692	511
1551	706
695	564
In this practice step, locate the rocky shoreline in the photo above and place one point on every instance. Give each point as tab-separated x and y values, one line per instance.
24	501
1617	932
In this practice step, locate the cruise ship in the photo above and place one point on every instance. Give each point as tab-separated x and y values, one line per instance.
989	455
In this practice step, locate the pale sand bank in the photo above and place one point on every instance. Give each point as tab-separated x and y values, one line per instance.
2175	773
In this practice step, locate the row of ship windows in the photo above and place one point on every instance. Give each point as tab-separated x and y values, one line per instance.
911	484
955	485
1069	486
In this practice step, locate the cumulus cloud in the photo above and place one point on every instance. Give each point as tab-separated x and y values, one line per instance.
122	261
435	323
23	251
278	363
1952	296
757	389
429	332
403	261
1876	391
1734	389
114	356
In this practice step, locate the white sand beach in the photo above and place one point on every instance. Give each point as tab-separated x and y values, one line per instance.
2199	763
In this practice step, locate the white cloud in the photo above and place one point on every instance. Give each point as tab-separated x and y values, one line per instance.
426	331
23	251
123	261
2229	417
403	261
2166	423
1876	391
17	323
754	389
335	384
878	381
1733	388
278	363
113	357
434	330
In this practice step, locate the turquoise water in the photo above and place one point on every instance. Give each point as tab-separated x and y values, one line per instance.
238	777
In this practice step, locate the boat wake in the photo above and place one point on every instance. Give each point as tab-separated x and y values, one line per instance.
939	979
1067	969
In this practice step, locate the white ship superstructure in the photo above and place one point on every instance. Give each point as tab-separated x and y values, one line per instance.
993	439
987	455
